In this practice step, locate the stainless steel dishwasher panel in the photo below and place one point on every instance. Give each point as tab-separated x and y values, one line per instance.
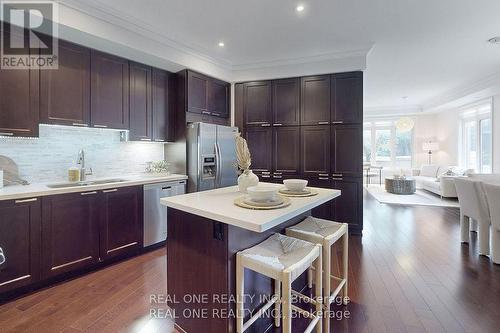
155	214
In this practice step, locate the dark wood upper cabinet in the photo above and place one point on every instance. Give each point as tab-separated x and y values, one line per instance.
347	150
286	102
260	146
163	121
141	117
20	243
286	150
315	150
65	92
19	101
121	221
70	232
109	91
257	103
218	98
347	98
315	100
197	92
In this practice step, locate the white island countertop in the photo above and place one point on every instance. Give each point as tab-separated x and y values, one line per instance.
219	205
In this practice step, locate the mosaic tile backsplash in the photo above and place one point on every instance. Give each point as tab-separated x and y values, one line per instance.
47	158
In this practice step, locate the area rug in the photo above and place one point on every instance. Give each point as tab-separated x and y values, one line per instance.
420	198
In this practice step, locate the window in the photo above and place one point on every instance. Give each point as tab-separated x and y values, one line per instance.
476	151
384	145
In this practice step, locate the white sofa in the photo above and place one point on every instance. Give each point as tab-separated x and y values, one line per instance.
431	178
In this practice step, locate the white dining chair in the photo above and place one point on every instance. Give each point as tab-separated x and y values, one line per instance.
493	198
473	205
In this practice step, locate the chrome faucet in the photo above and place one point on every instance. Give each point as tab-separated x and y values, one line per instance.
81	162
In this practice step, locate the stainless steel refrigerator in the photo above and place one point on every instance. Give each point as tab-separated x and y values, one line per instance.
211	156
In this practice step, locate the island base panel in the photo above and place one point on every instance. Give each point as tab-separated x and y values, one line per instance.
201	261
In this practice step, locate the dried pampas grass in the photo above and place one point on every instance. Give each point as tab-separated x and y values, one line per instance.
242	153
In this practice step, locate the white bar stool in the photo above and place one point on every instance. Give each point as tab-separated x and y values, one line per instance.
326	233
282	259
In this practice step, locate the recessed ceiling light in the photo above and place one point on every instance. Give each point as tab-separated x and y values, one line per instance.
221	44
404	97
494	40
300	8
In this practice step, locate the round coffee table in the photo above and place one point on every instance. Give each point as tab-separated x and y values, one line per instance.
400	185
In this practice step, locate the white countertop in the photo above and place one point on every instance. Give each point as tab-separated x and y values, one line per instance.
218	205
40	189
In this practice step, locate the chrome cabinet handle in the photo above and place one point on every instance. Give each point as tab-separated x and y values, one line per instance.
216	114
145	139
278	124
278	177
323	122
337	178
110	191
265	176
26	200
337	175
205	112
79	124
2	256
323	178
323	175
100	126
337	122
159	140
265	125
88	193
6	133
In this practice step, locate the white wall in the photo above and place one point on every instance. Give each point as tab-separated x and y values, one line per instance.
47	158
496	134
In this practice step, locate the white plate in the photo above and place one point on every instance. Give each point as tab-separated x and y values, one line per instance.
268	203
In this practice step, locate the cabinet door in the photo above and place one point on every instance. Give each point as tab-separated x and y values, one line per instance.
141	118
347	150
19	100
109	91
315	150
286	102
121	221
315	102
19	243
348	208
257	103
347	98
70	232
197	93
260	145
324	211
65	92
162	119
218	98
286	150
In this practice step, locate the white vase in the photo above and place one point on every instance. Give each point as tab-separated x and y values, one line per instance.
247	179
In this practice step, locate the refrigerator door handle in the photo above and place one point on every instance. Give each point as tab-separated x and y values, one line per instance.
217	164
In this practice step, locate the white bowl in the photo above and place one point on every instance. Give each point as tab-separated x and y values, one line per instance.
295	185
262	193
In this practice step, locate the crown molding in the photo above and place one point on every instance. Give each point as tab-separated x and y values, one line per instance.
98	10
470	92
392	111
336	55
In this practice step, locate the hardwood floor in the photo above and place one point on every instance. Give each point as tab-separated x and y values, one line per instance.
408	273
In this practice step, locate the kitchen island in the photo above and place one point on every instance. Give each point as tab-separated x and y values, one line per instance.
205	231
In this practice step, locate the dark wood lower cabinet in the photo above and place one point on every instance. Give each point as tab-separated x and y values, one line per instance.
348	208
19	243
121	221
70	232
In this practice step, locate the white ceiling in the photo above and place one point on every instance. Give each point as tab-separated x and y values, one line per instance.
421	49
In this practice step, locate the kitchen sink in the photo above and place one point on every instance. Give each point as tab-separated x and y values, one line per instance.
86	183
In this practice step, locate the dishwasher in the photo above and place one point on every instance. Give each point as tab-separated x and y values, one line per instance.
155	214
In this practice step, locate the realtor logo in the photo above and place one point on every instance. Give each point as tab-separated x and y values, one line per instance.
29	35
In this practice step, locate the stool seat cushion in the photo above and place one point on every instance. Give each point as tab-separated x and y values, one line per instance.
319	229
280	252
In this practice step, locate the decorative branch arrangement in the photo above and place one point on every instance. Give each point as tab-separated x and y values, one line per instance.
243	154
